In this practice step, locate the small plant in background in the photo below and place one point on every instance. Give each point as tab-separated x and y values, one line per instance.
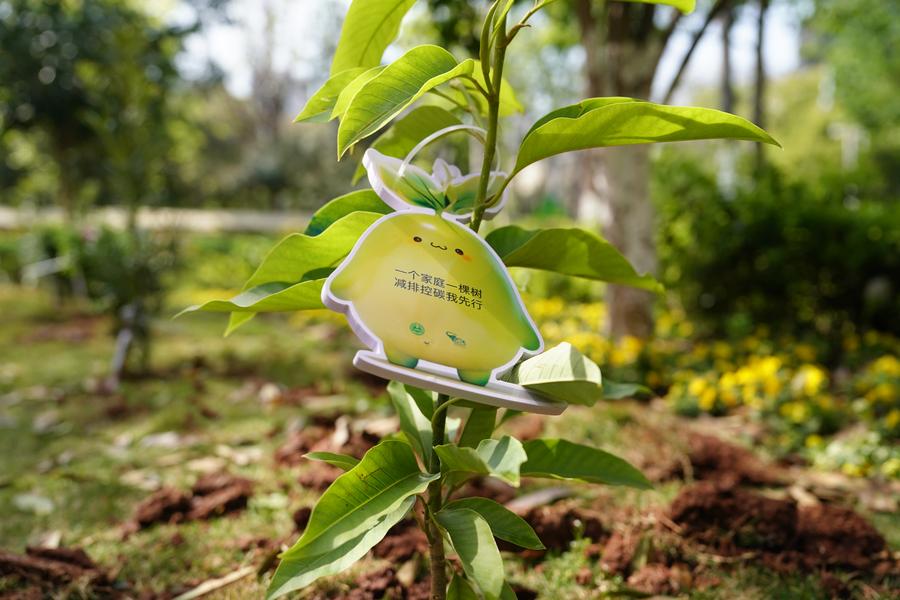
427	93
118	273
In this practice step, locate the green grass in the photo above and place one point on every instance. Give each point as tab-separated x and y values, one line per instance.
74	462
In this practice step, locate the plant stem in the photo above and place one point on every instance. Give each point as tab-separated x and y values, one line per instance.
490	147
435	492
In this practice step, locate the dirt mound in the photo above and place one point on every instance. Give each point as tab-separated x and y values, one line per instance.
57	567
558	524
213	495
837	536
716	460
729	521
217	494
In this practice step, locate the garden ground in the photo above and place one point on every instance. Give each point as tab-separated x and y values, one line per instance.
137	478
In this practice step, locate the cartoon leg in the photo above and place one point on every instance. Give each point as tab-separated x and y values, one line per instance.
476	377
399	358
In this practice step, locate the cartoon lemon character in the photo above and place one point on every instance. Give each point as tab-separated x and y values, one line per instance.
431	289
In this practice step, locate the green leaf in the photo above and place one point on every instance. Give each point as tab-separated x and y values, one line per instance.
460	589
415	425
561	373
573	111
503	457
347	94
560	459
570	251
292	274
495	458
409	130
626	123
423	399
479	426
298	255
352	515
369	28
474	543
318	108
341	461
360	200
504	523
299	571
399	85
613	390
276	296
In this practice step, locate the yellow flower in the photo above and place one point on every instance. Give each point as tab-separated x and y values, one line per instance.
707	400
697	386
809	380
814	441
888	365
892	419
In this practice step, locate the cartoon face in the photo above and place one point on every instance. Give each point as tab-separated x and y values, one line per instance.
430	289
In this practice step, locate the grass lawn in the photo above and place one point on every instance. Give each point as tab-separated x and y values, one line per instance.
75	462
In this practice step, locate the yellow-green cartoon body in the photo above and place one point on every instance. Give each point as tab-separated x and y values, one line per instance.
431	289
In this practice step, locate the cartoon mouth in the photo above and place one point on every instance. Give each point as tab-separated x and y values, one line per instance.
433	245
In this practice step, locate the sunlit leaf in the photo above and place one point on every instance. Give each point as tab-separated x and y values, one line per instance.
496	458
561	459
359	200
352	515
350	90
318	108
504	523
624	123
570	251
561	373
473	541
415	425
369	28
341	461
400	84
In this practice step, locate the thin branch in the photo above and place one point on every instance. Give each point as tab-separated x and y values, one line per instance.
710	16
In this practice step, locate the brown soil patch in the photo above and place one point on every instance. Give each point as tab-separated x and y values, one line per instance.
716	460
56	567
213	495
729	521
557	525
619	552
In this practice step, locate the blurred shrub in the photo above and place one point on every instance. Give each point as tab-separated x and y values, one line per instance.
778	253
122	273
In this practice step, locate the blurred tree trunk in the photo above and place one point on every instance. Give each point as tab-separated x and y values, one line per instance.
622	48
727	69
759	88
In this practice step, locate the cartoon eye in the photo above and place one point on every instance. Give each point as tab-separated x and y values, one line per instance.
417	239
459	251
